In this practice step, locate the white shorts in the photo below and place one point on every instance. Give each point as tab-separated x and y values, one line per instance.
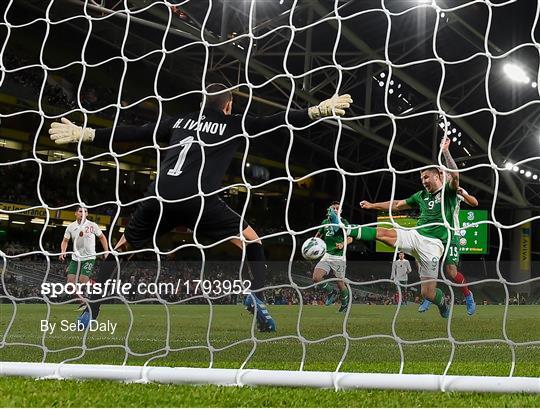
337	265
427	251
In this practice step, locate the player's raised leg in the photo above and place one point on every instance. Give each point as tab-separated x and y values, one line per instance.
426	250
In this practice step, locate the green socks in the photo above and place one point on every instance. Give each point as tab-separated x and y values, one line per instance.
439	298
344	296
326	287
363	233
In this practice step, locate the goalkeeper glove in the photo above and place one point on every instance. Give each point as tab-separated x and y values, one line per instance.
336	103
66	132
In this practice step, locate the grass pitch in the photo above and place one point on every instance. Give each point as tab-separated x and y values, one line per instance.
188	331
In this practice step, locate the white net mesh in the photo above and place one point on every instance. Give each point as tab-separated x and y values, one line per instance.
182	328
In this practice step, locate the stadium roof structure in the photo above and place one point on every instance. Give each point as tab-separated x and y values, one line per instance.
277	45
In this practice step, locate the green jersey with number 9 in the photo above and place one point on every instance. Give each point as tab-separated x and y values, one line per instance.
430	205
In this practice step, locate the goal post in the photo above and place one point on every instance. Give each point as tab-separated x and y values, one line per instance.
280	378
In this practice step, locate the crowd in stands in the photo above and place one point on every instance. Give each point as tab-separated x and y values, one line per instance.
58	186
61	92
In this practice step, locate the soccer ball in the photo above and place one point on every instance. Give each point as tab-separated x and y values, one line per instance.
313	248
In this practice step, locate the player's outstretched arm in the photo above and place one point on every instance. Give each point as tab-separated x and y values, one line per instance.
468	198
450	163
336	104
66	132
300	118
386	205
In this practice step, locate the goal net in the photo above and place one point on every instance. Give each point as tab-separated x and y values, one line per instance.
417	71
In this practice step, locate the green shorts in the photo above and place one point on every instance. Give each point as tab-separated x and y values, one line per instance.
87	267
452	257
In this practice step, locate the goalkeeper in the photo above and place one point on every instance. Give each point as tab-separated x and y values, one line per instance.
200	147
334	259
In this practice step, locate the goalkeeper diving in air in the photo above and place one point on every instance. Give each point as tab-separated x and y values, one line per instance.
200	145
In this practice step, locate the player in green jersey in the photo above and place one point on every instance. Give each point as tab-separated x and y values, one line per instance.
334	259
451	261
425	243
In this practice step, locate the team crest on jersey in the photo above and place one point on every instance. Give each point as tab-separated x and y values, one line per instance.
438	198
81	234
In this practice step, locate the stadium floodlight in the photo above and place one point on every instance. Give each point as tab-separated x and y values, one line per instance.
509	165
18	222
528	174
534	84
516	73
535	177
515	168
521	171
4	217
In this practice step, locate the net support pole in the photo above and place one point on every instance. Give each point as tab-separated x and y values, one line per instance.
314	379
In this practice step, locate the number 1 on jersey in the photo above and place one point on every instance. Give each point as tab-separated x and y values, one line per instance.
185	144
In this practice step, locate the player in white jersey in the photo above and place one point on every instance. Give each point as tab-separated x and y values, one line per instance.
82	232
401	268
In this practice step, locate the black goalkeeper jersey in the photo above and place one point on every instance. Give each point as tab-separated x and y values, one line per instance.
215	138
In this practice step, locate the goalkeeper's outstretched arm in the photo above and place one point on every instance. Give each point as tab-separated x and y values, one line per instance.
299	118
66	132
